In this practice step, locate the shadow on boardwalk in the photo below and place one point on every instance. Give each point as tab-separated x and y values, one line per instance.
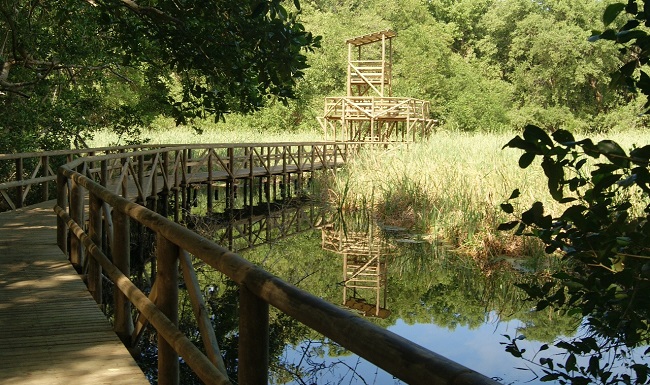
51	330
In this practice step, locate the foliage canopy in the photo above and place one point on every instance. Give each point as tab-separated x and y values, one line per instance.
604	232
69	66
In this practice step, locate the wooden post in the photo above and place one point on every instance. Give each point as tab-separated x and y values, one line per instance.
251	176
300	160
164	193
141	199
104	182
103	173
45	163
19	189
152	198
253	339
121	250
167	287
269	176
62	201
230	198
183	185
76	213
95	233
188	185
285	180
210	187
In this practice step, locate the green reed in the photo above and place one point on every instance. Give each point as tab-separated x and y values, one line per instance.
449	188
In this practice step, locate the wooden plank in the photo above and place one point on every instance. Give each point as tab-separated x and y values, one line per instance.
51	331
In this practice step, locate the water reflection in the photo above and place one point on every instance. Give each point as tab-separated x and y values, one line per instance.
365	254
400	283
452	305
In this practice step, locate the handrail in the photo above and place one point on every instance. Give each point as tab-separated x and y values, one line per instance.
26	172
258	288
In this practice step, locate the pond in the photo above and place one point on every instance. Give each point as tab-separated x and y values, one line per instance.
452	305
464	309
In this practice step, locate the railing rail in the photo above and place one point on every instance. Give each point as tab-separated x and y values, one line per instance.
22	173
85	187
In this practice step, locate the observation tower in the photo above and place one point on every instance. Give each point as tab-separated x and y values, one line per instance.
369	112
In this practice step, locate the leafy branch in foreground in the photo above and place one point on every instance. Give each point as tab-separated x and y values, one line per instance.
603	235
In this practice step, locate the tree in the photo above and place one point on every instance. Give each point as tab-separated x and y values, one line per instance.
603	234
64	63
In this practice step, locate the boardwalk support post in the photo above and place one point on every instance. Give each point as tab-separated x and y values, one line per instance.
62	201
95	233
167	302
76	212
121	250
253	338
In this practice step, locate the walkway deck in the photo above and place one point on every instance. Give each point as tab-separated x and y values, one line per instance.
51	330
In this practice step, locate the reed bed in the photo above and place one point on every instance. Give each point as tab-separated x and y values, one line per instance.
446	190
449	189
164	131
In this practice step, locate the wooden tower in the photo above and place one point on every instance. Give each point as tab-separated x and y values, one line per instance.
369	112
365	255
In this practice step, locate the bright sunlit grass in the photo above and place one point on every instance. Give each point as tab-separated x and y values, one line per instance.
450	187
164	131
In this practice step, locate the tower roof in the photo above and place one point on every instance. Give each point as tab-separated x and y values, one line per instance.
371	38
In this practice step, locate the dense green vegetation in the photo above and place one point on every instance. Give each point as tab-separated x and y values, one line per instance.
486	65
603	232
69	69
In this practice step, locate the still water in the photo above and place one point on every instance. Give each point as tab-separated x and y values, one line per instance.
466	310
452	305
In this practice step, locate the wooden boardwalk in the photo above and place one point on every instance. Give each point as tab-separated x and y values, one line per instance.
51	330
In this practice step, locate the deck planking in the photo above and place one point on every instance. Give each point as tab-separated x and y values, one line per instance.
51	330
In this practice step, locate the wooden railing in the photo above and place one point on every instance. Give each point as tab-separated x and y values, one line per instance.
87	186
367	107
173	167
252	230
27	178
370	71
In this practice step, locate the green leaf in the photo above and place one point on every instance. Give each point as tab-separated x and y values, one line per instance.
261	9
507	208
570	363
515	194
533	133
611	12
518	142
626	36
613	152
296	3
507	226
608	34
526	159
628	68
529	216
563	136
549	377
641	154
644	82
555	173
594	365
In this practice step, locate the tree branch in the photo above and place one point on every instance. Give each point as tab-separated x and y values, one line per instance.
151	12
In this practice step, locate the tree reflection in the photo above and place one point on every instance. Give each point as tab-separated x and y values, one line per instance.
417	283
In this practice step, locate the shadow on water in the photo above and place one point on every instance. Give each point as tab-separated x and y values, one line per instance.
448	303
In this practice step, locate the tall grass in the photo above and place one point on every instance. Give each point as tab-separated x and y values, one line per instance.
449	188
234	130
